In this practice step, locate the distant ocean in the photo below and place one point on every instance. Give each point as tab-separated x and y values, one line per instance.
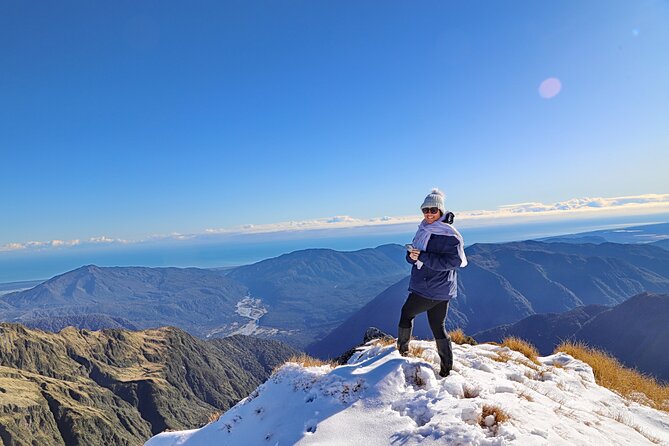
244	249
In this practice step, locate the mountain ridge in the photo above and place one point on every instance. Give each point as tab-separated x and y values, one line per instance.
634	332
505	283
118	386
295	297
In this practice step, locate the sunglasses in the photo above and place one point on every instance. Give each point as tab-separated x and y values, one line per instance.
430	210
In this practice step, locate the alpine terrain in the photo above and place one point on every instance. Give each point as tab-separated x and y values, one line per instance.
494	396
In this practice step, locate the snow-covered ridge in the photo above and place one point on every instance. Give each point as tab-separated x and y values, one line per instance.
382	398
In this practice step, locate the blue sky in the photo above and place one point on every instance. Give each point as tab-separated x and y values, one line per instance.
127	119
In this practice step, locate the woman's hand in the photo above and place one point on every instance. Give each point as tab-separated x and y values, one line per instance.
413	254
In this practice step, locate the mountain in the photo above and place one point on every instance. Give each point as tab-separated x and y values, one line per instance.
544	331
10	287
494	396
119	387
603	274
507	282
314	290
636	332
664	244
382	312
146	297
296	297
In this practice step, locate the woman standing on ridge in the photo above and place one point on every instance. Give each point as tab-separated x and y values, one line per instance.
436	253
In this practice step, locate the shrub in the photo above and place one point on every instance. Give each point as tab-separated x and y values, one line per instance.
609	373
522	346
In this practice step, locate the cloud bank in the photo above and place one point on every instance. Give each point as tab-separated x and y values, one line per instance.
576	207
504	215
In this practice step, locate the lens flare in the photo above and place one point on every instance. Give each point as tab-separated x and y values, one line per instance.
550	88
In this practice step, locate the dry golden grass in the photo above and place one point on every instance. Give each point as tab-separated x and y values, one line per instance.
459	337
500	415
384	342
614	376
502	357
524	394
416	351
214	416
305	361
309	361
522	346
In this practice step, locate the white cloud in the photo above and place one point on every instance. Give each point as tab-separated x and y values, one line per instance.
61	243
339	221
103	239
575	207
507	214
35	245
13	247
585	203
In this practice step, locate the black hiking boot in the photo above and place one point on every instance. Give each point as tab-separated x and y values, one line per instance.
445	351
403	338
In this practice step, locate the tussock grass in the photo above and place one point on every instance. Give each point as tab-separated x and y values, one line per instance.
385	341
213	417
309	361
609	373
416	351
497	412
305	361
522	346
502	357
459	337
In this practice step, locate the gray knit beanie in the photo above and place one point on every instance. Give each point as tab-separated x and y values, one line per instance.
434	199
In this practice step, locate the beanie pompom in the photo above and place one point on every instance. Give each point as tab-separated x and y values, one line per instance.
437	191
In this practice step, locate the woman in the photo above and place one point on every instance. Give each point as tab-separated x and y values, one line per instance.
438	250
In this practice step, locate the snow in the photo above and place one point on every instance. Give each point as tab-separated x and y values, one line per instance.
382	398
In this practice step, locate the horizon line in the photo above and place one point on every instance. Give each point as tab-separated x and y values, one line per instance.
646	204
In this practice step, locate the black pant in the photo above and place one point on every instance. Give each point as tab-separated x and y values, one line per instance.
436	313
